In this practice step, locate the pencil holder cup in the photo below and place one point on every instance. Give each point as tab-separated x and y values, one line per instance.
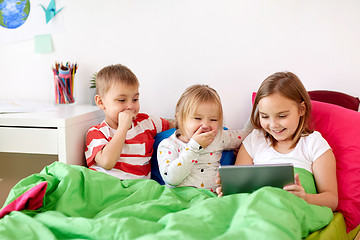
64	82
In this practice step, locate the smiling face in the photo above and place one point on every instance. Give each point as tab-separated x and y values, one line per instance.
205	115
118	98
280	116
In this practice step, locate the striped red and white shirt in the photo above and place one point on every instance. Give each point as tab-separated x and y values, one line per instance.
134	161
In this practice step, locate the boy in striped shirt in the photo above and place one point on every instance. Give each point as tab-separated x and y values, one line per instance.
122	144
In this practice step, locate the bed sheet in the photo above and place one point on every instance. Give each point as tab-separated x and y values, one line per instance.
81	203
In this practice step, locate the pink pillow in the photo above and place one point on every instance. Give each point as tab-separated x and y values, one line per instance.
341	129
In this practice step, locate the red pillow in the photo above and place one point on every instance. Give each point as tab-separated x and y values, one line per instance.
336	98
341	129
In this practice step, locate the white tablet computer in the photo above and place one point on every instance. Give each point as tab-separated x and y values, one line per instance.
249	178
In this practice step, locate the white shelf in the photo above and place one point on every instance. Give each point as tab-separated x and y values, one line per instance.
61	131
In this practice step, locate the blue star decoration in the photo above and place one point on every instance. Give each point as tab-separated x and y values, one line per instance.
50	11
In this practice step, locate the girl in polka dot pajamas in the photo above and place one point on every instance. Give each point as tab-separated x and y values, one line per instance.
191	156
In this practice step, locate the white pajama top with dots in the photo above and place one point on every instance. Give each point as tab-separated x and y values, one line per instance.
188	164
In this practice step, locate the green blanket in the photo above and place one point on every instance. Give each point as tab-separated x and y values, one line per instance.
83	204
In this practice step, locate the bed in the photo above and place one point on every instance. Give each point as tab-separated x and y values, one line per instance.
73	202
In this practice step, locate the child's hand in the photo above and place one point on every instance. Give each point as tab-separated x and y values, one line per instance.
219	189
125	119
296	189
204	138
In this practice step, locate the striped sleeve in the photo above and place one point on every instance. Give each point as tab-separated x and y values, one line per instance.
161	124
95	142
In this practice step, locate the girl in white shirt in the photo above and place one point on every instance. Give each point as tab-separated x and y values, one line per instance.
280	116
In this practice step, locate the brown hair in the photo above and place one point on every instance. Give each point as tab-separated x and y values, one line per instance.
288	85
190	100
114	74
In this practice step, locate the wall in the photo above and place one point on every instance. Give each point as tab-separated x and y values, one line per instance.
231	45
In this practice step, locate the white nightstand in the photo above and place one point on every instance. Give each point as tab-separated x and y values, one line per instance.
60	132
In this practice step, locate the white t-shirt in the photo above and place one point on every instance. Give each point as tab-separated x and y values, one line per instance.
307	150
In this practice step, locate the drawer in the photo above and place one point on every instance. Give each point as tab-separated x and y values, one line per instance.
29	140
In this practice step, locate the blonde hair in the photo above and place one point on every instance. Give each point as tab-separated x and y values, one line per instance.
190	100
113	74
288	85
